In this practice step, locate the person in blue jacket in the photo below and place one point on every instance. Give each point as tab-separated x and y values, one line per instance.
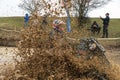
26	19
105	25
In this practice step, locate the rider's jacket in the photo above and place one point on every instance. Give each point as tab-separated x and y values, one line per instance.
57	25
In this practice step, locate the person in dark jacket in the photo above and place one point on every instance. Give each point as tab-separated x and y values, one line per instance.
95	27
105	25
44	21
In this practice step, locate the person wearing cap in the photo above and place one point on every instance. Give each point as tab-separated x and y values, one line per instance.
105	25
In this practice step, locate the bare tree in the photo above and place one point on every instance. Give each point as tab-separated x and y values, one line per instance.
81	8
31	5
41	6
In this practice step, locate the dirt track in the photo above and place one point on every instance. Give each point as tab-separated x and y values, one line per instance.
113	56
7	56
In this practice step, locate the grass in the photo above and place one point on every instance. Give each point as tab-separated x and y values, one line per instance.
18	23
11	22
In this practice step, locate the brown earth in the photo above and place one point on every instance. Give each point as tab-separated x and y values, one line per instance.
7	55
114	56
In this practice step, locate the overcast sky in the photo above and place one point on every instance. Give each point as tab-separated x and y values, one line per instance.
10	8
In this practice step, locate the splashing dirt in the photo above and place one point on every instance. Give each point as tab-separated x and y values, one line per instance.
43	58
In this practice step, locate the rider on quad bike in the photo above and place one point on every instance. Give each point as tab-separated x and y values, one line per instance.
57	28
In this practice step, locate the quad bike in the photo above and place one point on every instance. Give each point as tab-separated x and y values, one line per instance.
91	48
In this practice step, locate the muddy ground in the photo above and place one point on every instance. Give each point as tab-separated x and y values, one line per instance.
113	55
7	55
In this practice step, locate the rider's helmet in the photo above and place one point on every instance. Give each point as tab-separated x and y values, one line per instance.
58	22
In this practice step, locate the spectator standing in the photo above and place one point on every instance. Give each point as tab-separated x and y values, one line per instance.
44	21
26	19
105	25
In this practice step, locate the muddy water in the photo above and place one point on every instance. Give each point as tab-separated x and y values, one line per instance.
113	56
7	57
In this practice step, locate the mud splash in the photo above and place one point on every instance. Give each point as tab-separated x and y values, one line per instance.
45	59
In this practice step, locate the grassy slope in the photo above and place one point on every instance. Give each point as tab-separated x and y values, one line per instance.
14	23
18	22
11	22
